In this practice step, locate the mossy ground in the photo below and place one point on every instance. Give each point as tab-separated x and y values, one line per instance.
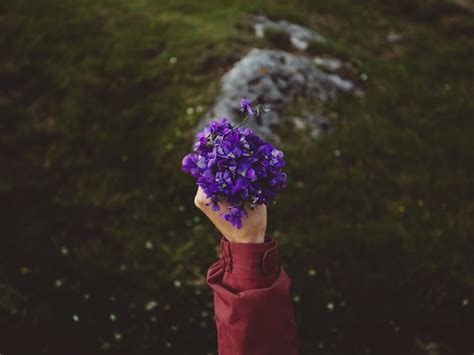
375	226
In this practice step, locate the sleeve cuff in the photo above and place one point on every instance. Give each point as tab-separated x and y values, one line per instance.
250	259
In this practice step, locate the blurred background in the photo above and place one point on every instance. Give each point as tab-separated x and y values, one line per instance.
102	248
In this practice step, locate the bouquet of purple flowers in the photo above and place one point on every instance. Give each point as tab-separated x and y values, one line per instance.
232	163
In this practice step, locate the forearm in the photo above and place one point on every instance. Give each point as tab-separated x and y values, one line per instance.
252	303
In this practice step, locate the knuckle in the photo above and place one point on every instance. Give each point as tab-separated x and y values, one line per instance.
198	202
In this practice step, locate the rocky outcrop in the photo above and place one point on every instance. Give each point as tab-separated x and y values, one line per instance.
274	77
300	36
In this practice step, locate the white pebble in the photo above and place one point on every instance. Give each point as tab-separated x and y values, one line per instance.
150	305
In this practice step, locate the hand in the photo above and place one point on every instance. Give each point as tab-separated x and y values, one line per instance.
254	226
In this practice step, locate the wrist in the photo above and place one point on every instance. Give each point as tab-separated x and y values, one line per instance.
258	237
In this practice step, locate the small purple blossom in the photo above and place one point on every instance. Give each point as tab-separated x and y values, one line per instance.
234	164
246	107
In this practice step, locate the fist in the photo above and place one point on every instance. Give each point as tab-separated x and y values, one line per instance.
254	225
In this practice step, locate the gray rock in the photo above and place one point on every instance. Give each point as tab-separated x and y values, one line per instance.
331	64
313	123
300	36
393	37
274	77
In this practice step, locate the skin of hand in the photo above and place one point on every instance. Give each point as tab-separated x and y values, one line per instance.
254	225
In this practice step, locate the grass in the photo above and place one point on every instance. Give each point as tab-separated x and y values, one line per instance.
94	125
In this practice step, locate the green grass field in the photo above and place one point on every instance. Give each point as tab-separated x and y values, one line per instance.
98	221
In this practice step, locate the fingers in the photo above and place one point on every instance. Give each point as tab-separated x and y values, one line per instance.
222	225
204	203
254	223
200	198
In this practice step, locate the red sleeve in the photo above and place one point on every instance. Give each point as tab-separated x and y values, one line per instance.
252	304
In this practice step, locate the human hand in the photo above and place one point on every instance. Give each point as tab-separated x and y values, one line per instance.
254	225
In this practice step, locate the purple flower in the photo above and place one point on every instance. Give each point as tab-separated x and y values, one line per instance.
235	216
234	164
245	104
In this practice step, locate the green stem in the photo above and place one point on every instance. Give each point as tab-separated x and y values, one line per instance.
244	120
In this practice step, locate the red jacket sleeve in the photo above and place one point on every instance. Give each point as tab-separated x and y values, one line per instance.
252	304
